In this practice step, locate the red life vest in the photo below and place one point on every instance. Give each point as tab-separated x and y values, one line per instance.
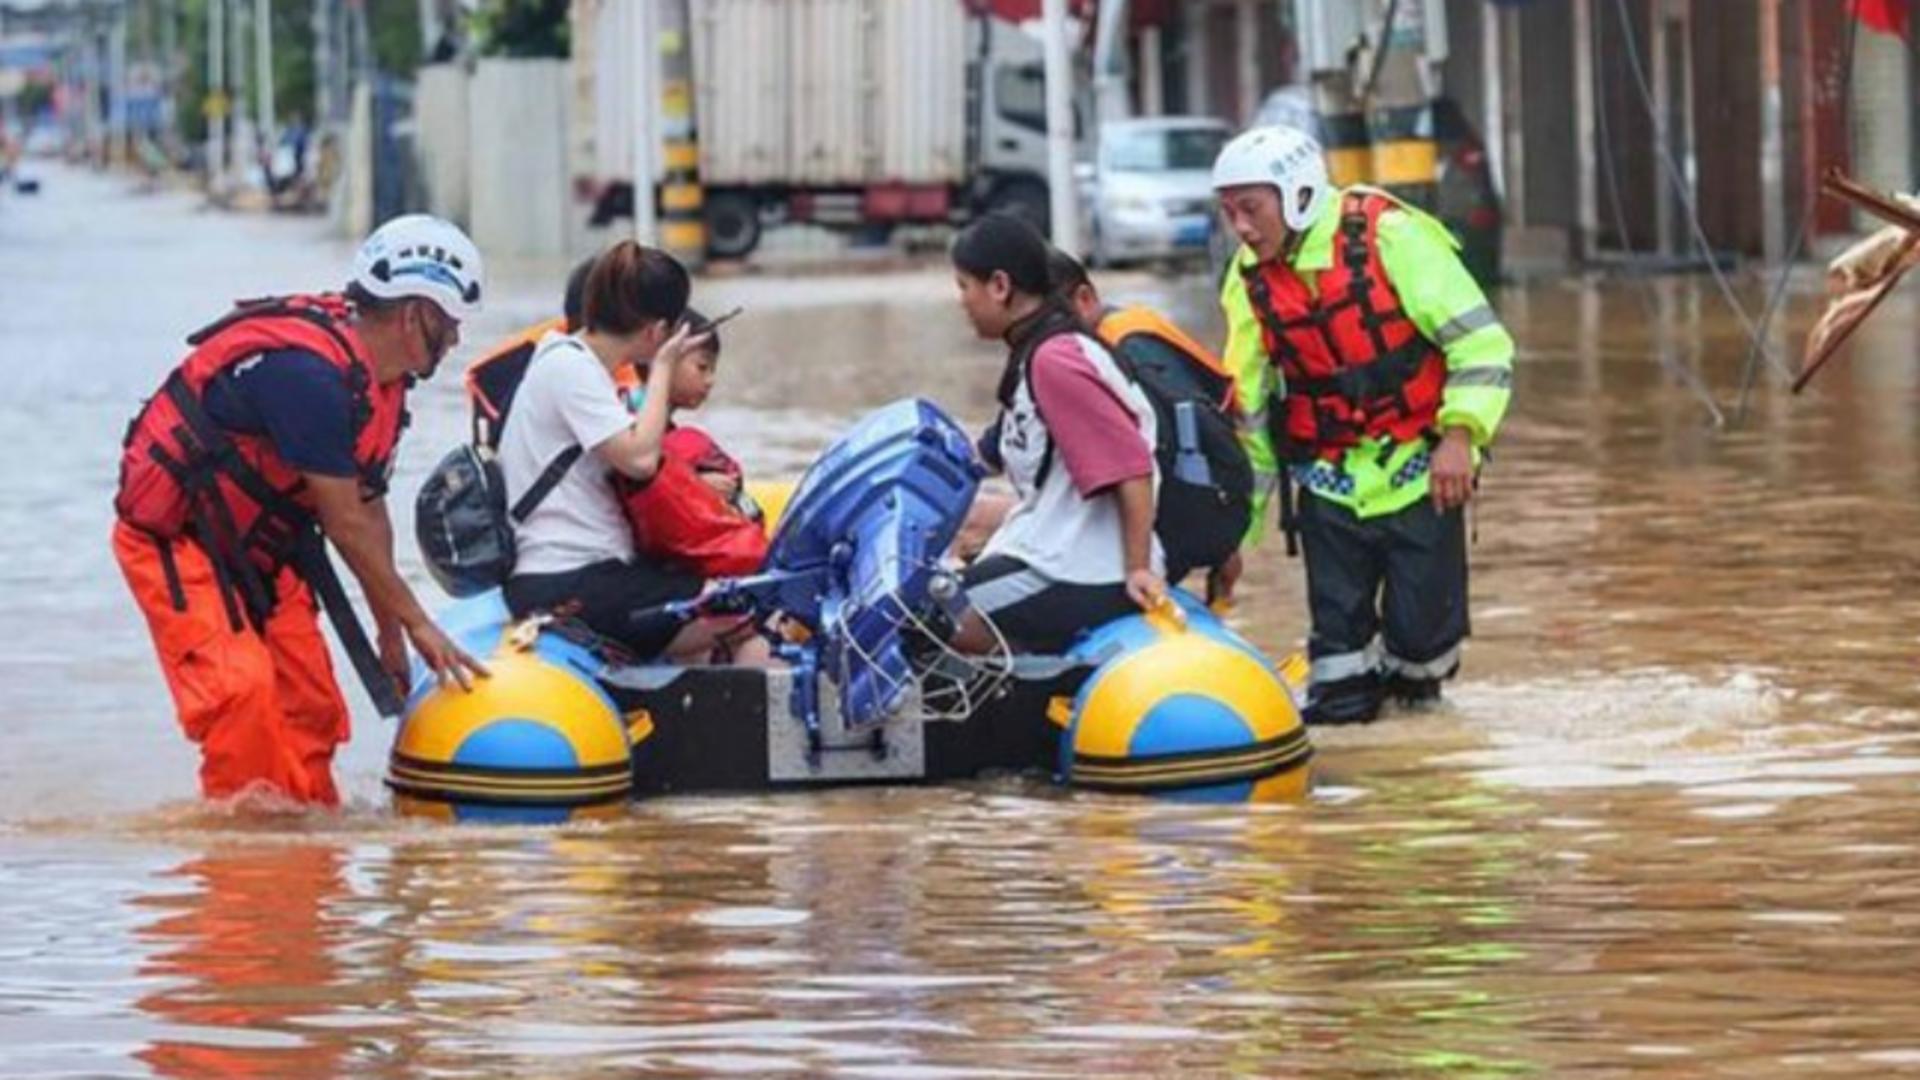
182	474
1355	365
678	519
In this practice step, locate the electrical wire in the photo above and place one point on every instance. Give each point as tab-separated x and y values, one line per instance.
1380	50
1677	179
1648	302
1810	208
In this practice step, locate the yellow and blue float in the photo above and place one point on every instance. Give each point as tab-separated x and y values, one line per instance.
540	740
1179	705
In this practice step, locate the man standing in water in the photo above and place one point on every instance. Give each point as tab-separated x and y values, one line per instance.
274	435
1384	375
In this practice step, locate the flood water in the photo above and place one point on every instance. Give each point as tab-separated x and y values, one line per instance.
1665	826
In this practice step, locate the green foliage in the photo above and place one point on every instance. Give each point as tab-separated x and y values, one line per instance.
525	28
394	26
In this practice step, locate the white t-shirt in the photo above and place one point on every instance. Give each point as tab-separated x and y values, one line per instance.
567	398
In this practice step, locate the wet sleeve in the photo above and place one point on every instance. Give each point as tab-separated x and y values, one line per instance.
1446	305
1093	432
303	407
1258	388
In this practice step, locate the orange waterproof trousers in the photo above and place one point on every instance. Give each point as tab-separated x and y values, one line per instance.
263	706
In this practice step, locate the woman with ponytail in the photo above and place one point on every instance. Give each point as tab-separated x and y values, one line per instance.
1075	439
569	433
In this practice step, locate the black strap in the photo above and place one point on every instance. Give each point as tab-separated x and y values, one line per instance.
210	521
1289	511
549	479
316	569
1035	330
225	457
1386	377
1046	455
271	308
170	568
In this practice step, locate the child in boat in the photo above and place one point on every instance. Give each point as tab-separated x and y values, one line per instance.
695	511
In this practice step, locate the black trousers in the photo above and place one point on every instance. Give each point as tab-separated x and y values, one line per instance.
1388	596
615	599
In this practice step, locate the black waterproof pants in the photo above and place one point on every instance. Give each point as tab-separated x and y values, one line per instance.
1388	596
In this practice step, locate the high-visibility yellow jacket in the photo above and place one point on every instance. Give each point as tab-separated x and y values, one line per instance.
1422	262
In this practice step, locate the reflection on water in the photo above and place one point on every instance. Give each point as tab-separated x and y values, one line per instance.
1664	827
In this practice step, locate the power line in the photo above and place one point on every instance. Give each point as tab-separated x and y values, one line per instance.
1678	179
1811	206
1649	304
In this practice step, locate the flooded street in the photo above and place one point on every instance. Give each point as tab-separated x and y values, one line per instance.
1664	827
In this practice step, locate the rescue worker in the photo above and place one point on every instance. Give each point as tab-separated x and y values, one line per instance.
274	435
1376	375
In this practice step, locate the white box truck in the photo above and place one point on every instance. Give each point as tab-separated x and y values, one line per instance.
849	114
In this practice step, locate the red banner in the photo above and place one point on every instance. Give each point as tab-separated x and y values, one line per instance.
1886	16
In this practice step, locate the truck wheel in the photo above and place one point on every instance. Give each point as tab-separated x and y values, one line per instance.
1024	199
733	225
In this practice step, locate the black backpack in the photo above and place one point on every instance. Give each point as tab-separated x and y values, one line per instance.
1206	482
460	518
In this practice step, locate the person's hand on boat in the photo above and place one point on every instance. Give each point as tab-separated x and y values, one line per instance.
449	662
1146	588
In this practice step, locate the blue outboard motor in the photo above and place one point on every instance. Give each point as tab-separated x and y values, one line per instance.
862	539
857	557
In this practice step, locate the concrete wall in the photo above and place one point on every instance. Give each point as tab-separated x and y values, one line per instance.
442	124
1883	106
1727	123
351	202
1547	118
518	153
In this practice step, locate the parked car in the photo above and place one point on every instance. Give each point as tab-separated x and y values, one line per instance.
1466	199
1148	191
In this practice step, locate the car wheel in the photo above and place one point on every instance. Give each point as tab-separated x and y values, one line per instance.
733	224
1024	199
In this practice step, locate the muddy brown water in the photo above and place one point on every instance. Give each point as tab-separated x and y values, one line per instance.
1665	826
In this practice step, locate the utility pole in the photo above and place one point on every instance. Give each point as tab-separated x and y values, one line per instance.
263	67
1061	204
215	107
429	29
642	52
322	65
117	86
683	230
240	145
170	66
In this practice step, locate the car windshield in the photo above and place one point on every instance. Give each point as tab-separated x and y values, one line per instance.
1164	149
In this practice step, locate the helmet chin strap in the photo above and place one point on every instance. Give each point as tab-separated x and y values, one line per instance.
1290	244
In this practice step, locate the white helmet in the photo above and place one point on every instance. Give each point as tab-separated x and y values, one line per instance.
421	255
1288	159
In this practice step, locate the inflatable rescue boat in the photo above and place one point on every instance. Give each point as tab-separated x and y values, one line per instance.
1170	703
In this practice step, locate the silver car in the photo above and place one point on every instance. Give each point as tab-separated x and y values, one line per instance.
1148	192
